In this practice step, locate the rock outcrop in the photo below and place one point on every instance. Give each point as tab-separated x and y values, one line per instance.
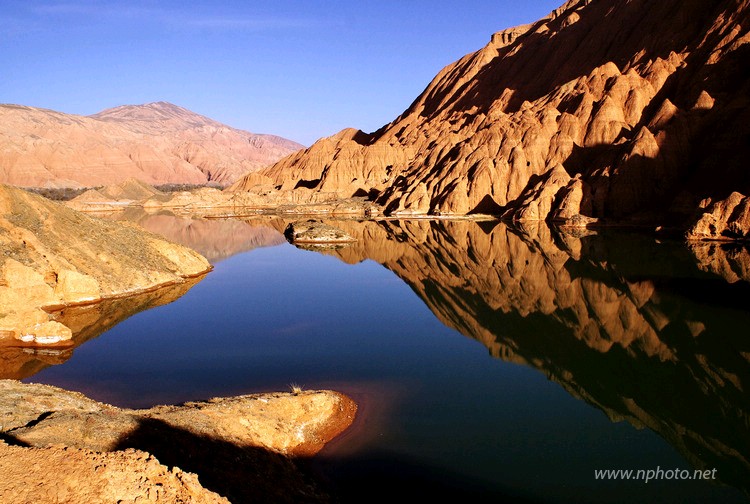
157	143
71	476
54	256
241	447
317	233
724	220
606	110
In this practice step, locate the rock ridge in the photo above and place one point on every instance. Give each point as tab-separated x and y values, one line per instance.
605	111
157	143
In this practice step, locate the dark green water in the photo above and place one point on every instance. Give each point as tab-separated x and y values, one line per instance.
489	364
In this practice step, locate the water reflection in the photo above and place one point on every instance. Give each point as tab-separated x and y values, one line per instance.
86	322
652	333
648	332
214	239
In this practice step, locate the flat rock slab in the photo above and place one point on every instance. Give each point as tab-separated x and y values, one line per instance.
316	232
239	447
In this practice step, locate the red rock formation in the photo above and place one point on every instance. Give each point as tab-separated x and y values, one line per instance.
157	143
606	109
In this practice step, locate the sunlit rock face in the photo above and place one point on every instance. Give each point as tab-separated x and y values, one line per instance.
54	256
618	110
648	332
157	143
69	448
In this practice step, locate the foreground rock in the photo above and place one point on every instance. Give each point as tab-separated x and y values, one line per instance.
239	447
157	143
623	110
72	476
54	256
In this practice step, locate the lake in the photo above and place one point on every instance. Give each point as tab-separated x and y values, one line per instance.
490	363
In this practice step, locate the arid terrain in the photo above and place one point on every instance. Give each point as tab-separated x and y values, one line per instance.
158	143
604	113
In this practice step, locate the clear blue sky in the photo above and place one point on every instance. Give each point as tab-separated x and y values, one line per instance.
300	69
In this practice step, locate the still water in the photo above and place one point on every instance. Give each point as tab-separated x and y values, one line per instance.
489	363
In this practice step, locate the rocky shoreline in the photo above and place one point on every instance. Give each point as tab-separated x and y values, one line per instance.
61	446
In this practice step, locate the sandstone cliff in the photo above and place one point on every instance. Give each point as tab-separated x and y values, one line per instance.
54	256
606	109
157	143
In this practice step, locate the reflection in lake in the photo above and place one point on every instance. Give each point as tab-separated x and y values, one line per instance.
625	323
647	332
18	361
214	239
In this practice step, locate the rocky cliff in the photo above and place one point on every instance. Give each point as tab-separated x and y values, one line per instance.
157	143
54	256
604	110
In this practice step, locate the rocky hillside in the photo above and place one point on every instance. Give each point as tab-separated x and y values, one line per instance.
606	109
54	256
157	143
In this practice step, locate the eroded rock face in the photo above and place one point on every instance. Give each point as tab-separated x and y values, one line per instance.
241	448
157	143
618	110
724	220
55	256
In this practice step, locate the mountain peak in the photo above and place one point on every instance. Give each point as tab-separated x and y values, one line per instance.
157	143
156	112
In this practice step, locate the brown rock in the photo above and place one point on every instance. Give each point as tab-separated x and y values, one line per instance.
240	447
71	476
315	232
727	219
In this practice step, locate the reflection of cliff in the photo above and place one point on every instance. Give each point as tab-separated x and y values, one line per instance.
86	322
629	325
215	239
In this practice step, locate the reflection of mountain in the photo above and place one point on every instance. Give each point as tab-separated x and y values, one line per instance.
214	239
86	322
629	325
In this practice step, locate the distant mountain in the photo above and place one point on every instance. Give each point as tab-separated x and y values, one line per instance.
157	143
605	109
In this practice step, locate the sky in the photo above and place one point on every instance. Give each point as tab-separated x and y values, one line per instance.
299	69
